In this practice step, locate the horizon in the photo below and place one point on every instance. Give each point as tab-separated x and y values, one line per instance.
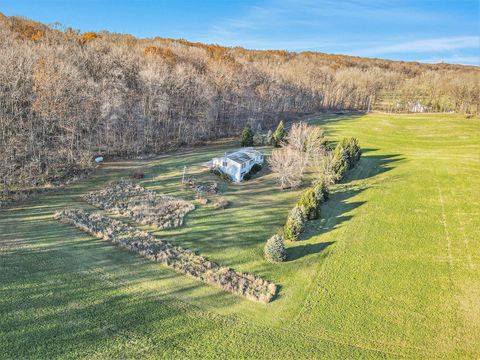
443	32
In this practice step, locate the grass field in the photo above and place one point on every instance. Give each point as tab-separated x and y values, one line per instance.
392	269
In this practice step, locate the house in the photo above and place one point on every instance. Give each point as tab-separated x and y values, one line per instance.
238	163
417	107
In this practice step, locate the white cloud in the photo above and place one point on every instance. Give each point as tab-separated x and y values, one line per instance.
330	26
425	46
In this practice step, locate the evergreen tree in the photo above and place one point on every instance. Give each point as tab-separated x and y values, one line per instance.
269	138
274	250
247	136
257	137
321	190
279	135
295	223
308	203
340	161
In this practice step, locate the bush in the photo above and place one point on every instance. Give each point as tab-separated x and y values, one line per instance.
321	190
220	203
312	198
142	205
352	150
340	162
222	175
137	174
201	200
308	204
247	136
274	250
345	156
295	224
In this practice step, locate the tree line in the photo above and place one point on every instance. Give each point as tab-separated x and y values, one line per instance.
66	96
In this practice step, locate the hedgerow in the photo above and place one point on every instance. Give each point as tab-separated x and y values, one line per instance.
345	155
176	257
308	204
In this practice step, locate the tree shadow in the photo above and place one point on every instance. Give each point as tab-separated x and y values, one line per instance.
329	117
336	210
297	252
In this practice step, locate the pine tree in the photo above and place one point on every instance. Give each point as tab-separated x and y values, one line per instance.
269	138
258	138
247	136
309	205
279	135
295	224
274	250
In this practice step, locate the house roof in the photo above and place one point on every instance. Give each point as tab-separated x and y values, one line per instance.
241	156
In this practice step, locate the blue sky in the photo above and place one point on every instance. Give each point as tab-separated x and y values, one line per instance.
426	31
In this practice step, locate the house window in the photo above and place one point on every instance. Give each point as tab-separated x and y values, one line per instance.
224	163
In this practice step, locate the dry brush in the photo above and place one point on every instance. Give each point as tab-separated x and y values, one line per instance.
186	261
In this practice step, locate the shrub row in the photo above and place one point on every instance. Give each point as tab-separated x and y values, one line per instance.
312	198
345	155
144	206
307	208
183	260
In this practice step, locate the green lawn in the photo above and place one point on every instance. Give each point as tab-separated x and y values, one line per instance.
391	269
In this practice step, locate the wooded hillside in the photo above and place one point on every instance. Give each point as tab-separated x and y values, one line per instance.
67	96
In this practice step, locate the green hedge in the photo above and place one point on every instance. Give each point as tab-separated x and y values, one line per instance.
346	154
294	225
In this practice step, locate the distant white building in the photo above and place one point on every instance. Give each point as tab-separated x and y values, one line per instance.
238	163
417	107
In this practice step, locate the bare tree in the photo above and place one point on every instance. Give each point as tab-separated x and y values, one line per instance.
66	96
287	166
308	140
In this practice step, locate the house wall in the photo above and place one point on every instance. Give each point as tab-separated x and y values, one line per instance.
235	170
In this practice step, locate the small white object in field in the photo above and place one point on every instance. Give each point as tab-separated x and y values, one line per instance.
99	159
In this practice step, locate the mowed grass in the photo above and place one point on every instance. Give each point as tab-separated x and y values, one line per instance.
392	269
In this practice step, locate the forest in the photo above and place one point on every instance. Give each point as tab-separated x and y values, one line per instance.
67	96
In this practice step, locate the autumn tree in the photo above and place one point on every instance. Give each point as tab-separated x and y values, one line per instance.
66	96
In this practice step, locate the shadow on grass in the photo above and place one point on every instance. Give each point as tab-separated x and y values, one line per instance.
330	117
336	210
294	253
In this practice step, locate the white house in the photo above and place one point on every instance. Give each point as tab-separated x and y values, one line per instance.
417	107
238	163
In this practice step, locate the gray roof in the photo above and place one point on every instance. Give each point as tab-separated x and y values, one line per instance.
241	156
